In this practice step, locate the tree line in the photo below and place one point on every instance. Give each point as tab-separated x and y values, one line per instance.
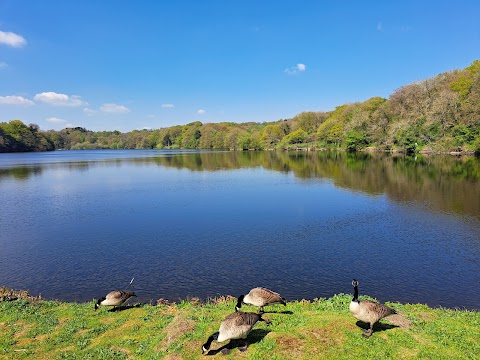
439	114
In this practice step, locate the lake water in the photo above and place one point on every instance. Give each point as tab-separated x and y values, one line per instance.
77	224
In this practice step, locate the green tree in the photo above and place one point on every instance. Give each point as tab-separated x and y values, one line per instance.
191	135
16	136
355	141
309	121
271	135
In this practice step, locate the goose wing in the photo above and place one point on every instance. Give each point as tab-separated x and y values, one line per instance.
240	318
118	295
379	311
237	325
247	319
268	296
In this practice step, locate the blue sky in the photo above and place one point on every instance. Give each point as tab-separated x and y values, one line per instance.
125	64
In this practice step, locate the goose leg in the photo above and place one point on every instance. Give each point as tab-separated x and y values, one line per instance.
368	333
243	347
226	349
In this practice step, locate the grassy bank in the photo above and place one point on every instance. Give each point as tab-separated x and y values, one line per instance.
320	329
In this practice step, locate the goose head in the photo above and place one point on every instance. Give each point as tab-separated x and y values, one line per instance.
99	302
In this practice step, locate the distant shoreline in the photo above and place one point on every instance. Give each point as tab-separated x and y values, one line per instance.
307	149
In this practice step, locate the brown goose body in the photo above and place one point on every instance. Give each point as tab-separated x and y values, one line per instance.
114	298
234	326
260	297
368	311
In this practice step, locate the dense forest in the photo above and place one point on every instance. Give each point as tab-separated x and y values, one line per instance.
439	114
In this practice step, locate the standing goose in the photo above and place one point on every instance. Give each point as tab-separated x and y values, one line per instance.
260	296
235	326
368	311
115	298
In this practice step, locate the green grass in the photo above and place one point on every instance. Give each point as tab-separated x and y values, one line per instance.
320	329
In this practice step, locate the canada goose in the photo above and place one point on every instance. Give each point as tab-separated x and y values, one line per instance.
235	326
260	297
368	311
114	298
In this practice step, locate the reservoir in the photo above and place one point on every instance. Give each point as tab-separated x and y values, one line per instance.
76	224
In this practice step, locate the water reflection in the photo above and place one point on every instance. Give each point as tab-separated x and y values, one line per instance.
443	183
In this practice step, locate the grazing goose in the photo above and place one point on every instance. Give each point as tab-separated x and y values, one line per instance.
368	311
260	297
115	298
235	326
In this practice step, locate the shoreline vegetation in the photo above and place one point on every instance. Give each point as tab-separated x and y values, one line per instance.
439	115
316	329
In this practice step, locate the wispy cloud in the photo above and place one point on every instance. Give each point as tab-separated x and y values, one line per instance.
55	120
379	26
201	112
52	98
15	100
168	106
114	108
3	65
296	69
89	111
12	39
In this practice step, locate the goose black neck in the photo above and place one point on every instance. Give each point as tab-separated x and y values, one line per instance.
239	302
97	304
210	339
355	293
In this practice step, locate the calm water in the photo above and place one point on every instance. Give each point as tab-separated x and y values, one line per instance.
76	224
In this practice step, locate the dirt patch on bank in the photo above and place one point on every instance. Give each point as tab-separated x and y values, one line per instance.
177	328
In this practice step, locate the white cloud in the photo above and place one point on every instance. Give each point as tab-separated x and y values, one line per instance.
53	98
167	106
89	112
12	39
15	100
55	120
114	108
201	112
296	69
3	65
